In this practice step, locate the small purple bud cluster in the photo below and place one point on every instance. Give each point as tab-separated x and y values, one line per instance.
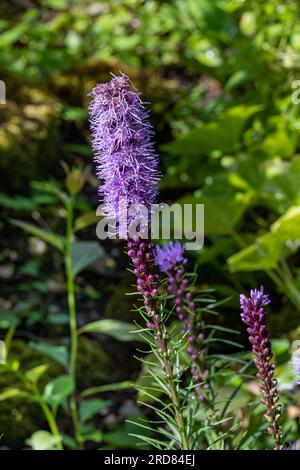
142	258
254	316
141	253
291	446
171	260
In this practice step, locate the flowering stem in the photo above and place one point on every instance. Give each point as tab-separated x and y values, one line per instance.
141	254
72	315
254	316
163	349
270	394
185	307
172	261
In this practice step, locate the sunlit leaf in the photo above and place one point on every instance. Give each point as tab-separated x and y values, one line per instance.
58	389
119	330
43	440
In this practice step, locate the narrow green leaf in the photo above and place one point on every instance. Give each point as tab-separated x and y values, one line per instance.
58	389
58	353
117	329
49	237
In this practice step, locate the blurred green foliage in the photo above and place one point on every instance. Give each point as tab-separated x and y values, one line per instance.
219	74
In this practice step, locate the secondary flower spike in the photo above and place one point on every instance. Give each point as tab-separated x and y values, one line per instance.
123	148
171	261
254	316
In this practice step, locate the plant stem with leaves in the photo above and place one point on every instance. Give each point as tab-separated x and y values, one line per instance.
72	314
147	283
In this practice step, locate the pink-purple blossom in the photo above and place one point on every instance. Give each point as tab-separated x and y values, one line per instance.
169	256
171	261
254	316
122	141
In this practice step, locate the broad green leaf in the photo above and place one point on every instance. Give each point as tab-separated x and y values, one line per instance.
12	393
282	141
58	389
47	236
79	149
223	134
58	353
73	113
58	318
281	347
237	79
281	188
92	435
89	408
85	220
8	319
287	227
221	215
117	329
17	203
84	254
55	4
43	440
262	255
50	188
34	374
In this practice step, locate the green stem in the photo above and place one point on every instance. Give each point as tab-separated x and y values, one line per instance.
51	421
72	316
162	347
9	337
45	408
71	290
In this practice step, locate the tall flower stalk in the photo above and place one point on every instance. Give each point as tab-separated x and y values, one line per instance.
254	316
172	261
127	163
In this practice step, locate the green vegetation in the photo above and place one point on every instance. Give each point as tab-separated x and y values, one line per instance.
220	78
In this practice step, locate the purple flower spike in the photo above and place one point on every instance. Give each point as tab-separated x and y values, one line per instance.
123	147
254	316
171	260
170	256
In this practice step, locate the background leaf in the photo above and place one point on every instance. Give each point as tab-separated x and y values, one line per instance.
119	330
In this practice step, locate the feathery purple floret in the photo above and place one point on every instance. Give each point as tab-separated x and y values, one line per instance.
254	316
169	256
123	146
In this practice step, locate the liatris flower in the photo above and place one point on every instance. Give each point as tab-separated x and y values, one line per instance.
123	148
127	163
292	446
170	256
171	260
296	365
254	315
